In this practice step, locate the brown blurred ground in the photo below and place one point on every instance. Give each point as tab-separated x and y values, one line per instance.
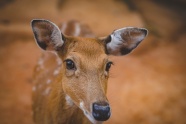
147	86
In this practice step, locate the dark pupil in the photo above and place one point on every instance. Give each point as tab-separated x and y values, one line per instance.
108	66
70	64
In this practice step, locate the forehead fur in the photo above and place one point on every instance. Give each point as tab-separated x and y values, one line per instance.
89	47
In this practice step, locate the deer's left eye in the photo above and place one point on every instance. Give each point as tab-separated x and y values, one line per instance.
70	64
108	65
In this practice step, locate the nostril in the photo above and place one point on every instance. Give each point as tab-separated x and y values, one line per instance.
98	107
101	111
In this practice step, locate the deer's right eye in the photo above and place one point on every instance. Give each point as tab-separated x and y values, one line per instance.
108	65
70	64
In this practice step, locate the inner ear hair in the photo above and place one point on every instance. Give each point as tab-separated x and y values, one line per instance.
47	34
123	41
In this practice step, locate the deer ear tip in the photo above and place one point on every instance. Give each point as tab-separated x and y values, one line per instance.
34	21
145	31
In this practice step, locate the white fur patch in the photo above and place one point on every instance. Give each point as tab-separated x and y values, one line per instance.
77	29
88	114
40	63
69	100
47	91
48	81
59	61
56	72
33	88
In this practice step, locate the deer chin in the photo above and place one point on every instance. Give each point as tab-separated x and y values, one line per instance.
88	114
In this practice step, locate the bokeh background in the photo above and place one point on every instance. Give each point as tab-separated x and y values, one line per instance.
146	87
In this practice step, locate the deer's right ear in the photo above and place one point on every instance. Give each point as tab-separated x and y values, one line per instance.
47	35
124	40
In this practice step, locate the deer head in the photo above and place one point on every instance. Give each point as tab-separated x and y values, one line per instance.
86	65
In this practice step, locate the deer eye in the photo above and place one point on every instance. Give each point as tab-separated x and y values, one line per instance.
70	64
108	65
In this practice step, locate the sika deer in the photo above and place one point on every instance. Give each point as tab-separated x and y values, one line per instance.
70	85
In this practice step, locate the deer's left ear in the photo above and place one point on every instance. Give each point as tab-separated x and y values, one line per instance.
47	34
123	41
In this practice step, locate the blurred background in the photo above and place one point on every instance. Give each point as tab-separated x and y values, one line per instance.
146	87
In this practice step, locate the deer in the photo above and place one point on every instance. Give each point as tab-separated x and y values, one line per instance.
70	79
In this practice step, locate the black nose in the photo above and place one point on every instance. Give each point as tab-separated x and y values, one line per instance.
101	111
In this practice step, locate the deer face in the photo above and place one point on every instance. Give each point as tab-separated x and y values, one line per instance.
86	64
86	68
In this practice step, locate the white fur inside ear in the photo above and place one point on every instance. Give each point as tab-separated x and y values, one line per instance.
56	36
128	38
116	39
115	43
